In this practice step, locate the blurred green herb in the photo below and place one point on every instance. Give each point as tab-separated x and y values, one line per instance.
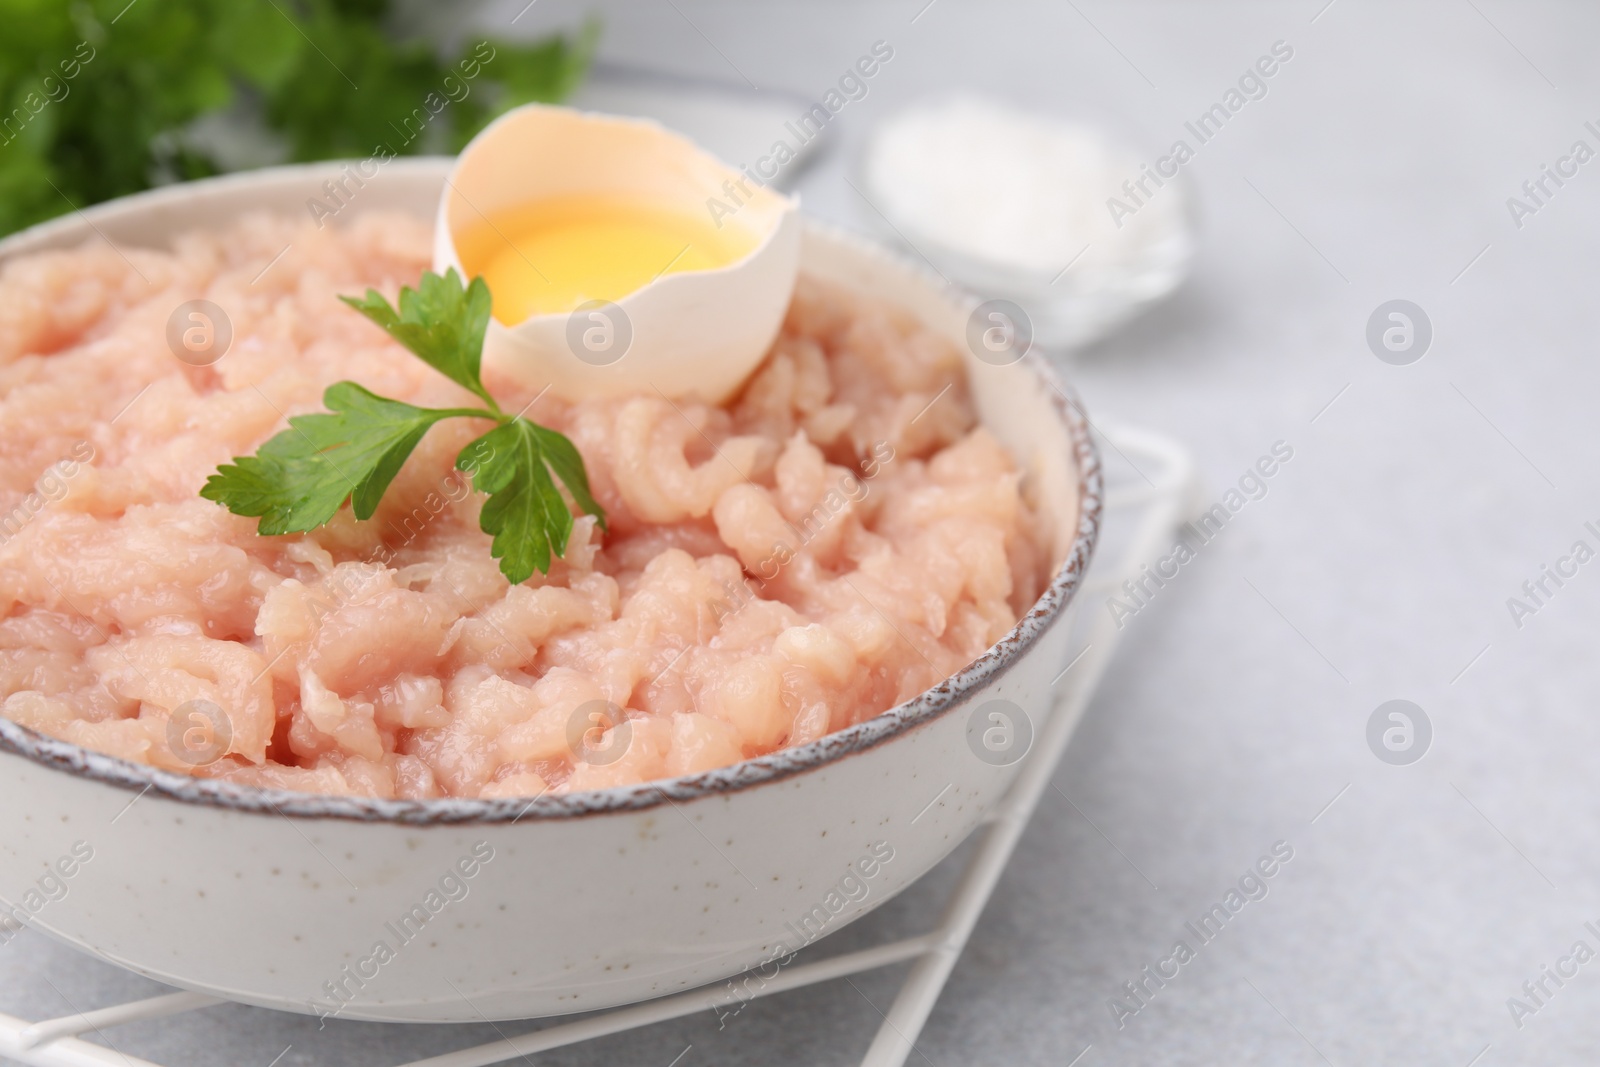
99	98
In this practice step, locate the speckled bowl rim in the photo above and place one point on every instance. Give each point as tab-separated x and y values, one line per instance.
724	781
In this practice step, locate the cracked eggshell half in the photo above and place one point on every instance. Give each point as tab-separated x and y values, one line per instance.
688	333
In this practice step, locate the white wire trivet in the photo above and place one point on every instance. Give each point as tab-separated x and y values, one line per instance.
1150	482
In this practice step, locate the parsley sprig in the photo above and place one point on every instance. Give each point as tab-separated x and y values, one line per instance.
300	478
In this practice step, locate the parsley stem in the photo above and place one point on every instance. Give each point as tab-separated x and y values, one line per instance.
470	413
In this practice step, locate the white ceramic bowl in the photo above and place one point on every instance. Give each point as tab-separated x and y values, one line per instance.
584	901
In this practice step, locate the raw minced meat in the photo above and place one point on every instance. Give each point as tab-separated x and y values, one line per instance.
838	538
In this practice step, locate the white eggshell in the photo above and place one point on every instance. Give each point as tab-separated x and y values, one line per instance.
694	333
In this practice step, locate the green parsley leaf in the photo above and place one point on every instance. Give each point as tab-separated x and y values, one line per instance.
439	321
525	512
562	457
299	479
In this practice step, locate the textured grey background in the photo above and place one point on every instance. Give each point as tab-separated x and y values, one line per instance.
1377	167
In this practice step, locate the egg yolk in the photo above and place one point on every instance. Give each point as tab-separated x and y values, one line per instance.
553	255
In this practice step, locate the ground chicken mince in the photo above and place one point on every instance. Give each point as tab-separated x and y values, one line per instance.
834	541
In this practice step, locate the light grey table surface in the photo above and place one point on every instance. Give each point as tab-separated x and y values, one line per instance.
1378	567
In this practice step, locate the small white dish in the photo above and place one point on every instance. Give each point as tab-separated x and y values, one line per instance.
1019	207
